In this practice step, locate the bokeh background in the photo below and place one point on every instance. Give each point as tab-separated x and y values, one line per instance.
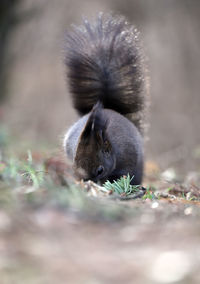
34	101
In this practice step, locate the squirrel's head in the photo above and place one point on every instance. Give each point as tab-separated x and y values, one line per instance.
94	156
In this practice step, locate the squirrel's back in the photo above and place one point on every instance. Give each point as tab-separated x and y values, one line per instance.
105	63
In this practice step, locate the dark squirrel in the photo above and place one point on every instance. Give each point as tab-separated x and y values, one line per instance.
107	78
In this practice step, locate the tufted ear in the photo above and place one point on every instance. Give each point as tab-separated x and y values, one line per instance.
96	125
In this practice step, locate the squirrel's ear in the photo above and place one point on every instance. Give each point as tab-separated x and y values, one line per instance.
86	133
96	124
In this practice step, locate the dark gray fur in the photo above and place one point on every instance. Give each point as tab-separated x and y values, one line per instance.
105	64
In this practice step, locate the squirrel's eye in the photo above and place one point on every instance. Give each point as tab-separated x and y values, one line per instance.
100	170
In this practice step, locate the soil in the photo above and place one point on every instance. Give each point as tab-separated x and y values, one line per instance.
157	241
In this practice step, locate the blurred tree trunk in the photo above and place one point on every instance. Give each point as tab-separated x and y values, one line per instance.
8	20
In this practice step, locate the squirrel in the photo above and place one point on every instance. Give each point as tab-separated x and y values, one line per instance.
107	79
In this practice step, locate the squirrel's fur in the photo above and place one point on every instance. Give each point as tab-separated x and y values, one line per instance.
106	76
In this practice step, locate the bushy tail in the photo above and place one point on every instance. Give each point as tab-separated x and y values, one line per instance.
105	63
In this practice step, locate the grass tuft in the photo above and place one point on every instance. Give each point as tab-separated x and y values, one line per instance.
122	186
149	194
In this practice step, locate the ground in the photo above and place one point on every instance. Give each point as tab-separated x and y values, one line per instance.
56	230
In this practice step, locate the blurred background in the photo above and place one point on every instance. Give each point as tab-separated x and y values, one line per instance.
35	104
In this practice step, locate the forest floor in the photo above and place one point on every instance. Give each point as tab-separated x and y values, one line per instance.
55	230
